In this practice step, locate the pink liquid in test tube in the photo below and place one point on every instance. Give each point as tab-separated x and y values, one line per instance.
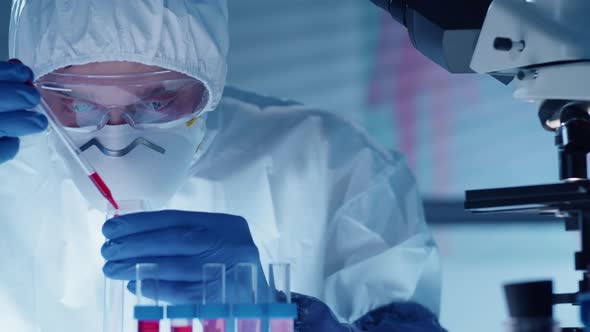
283	312
213	325
282	325
248	325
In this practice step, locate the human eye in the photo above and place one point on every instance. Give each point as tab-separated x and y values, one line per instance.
81	107
155	105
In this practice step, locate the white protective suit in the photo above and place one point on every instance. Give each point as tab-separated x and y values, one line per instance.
316	191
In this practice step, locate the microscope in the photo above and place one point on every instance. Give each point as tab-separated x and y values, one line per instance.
543	48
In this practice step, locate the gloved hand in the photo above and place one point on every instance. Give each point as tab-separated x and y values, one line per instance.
315	316
16	96
180	243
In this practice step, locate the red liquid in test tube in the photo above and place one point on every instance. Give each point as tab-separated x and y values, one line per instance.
148	326
282	325
214	325
182	329
147	311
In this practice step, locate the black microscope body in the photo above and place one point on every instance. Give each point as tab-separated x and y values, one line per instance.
568	199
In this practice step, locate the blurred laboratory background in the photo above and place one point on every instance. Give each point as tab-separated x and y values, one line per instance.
458	133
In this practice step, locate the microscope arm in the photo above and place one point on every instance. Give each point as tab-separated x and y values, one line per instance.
445	31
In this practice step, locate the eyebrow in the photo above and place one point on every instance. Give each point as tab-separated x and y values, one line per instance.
154	90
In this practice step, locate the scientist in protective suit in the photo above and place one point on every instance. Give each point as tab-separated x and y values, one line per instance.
228	176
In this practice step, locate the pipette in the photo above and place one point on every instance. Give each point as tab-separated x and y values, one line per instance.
54	122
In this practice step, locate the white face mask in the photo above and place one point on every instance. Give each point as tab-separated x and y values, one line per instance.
137	164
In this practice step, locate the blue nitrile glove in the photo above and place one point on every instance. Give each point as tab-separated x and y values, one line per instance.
180	243
16	96
315	316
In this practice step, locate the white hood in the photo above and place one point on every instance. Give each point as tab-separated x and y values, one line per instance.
190	37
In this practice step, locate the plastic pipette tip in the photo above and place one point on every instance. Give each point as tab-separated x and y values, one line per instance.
103	188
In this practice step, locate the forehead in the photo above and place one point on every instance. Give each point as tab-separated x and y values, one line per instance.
110	68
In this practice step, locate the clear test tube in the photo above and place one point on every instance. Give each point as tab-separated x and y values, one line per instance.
248	313
181	317
114	315
281	312
214	312
147	311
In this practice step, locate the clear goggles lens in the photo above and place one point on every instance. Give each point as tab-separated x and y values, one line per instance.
140	100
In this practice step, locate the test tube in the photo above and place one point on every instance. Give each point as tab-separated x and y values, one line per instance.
147	311
181	317
247	312
114	315
214	312
281	312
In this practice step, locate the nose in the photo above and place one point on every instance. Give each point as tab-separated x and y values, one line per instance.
116	117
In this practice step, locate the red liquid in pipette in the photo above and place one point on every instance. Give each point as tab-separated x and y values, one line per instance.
148	326
103	188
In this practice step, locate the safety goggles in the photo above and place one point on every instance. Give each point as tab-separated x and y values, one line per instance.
140	100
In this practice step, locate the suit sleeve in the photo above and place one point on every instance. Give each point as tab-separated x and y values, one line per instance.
379	250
